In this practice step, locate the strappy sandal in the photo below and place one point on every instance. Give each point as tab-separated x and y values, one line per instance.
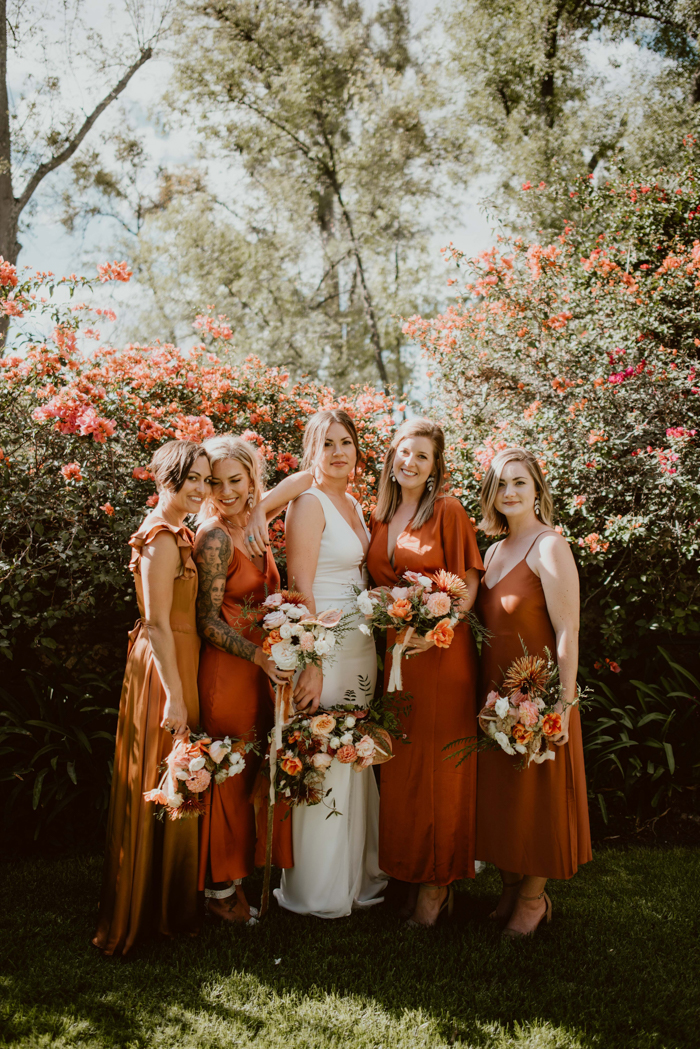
494	915
513	934
446	908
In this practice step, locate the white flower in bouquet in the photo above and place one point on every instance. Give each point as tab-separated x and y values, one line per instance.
237	763
502	707
399	593
295	611
286	631
503	743
365	629
365	603
334	743
346	739
329	636
273	601
274	619
284	655
349	721
218	751
296	629
197	763
321	760
365	747
221	777
182	774
322	646
521	748
419	580
175	801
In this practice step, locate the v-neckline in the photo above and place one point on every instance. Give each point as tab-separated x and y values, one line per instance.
523	558
347	523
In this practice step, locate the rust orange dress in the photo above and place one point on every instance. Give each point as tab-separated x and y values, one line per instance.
236	700
533	821
150	873
427	805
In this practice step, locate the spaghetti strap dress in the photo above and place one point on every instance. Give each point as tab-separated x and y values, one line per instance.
532	821
150	873
428	806
236	700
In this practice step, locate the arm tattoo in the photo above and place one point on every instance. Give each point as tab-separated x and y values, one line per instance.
213	555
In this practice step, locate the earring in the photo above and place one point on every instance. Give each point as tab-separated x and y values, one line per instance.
250	499
430	483
537	505
392	477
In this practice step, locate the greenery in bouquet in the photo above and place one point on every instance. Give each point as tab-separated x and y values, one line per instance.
190	769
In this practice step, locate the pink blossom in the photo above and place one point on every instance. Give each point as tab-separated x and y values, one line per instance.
198	781
273	601
307	641
438	604
114	271
108	509
71	472
346	754
528	713
492	699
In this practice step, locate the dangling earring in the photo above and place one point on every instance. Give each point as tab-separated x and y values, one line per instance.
537	505
430	483
392	475
250	500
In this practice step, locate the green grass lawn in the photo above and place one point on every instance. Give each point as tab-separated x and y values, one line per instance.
618	967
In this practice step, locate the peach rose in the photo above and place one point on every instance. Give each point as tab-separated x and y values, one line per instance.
438	604
528	713
321	760
346	754
491	700
291	765
520	734
442	634
401	609
307	641
551	724
322	725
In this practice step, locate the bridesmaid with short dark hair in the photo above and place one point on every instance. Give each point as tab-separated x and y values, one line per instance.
533	823
150	873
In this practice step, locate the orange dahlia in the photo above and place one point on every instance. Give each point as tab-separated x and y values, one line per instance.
528	675
450	584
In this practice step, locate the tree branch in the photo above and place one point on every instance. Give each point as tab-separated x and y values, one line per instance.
635	12
67	152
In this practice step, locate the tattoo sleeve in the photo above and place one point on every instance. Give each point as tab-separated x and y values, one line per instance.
212	555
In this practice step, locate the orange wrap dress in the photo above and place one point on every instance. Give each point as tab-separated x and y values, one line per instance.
236	700
532	821
150	873
427	805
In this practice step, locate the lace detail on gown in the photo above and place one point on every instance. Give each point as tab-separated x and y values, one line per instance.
336	863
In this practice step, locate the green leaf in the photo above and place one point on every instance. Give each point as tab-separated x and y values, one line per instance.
36	794
70	769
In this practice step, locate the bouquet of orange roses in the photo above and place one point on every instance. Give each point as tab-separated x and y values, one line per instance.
526	712
190	768
425	605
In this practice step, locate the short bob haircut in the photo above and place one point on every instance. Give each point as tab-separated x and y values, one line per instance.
228	446
172	462
389	497
316	431
493	522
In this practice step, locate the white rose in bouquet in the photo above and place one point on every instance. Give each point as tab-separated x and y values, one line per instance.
218	751
221	777
273	601
274	619
295	611
321	761
502	707
237	763
296	629
349	721
334	743
365	603
365	747
284	655
286	631
346	739
322	647
197	763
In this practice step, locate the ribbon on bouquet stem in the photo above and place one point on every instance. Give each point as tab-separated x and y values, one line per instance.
283	701
395	679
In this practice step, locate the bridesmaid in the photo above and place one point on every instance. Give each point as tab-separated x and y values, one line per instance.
427	811
236	566
532	824
150	874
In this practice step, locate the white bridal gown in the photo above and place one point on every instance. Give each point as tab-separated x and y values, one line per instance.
336	864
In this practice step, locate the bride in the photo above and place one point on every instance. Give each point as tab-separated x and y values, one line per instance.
335	842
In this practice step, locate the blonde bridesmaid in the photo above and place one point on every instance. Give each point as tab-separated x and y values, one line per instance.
150	873
533	823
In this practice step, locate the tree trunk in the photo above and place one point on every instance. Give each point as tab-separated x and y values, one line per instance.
551	43
9	247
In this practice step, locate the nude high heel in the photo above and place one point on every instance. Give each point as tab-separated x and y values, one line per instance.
446	908
512	934
494	915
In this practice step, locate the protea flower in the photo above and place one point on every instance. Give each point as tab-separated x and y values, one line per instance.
527	674
451	584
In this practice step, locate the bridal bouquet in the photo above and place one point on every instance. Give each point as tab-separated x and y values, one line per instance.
528	714
351	735
295	637
190	768
427	606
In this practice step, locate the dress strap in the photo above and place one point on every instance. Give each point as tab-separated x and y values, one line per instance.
535	540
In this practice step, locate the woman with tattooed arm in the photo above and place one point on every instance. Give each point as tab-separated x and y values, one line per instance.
235	565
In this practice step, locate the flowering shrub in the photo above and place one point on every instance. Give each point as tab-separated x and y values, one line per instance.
78	427
585	350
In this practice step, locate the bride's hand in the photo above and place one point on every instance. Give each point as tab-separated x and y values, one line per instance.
307	694
418	644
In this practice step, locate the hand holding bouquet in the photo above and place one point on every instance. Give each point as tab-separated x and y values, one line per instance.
422	606
190	768
528	715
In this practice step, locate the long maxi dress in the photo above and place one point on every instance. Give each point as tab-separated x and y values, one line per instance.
335	856
236	700
150	873
427	812
532	821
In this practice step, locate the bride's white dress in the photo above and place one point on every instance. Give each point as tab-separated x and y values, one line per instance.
336	864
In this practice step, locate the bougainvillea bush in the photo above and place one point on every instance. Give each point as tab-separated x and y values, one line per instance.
79	421
585	349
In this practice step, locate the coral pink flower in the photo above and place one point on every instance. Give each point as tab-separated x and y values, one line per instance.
322	725
291	765
108	509
140	473
491	700
528	713
401	609
114	271
307	641
152	500
438	604
442	634
551	724
198	781
347	754
71	472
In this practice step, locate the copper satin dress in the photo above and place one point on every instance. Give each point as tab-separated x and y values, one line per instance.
533	821
150	873
236	700
427	805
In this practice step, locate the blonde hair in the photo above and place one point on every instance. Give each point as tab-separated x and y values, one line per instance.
389	495
172	462
228	446
493	522
316	430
